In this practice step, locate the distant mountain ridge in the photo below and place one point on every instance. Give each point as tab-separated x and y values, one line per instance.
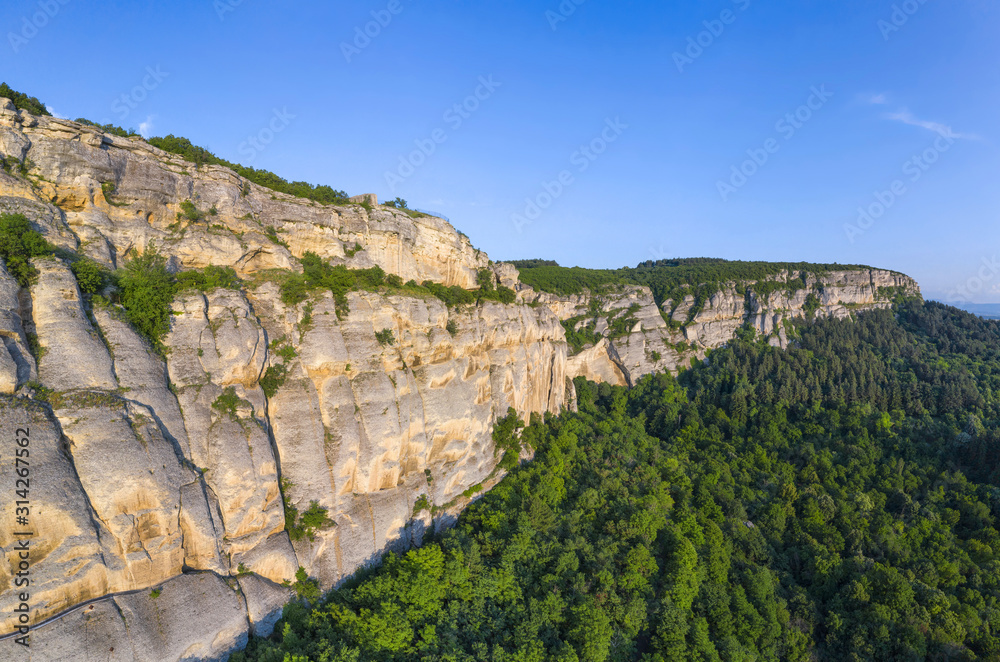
990	311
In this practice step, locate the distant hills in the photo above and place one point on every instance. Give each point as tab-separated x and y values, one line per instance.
990	311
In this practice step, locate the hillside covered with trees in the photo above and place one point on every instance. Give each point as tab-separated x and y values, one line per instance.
836	501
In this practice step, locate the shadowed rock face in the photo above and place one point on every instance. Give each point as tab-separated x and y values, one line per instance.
157	482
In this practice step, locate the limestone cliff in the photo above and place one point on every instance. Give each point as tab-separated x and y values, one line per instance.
161	481
158	483
669	336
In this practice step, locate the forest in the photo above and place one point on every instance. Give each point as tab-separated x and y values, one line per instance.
837	500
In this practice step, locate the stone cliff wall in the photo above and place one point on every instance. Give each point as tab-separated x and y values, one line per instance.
158	482
669	336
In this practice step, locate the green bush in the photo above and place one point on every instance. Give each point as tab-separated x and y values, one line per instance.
208	279
422	503
109	128
284	348
812	305
307	589
303	526
274	379
507	440
272	234
339	280
452	296
502	294
486	280
147	291
190	212
18	244
385	337
91	276
228	402
579	339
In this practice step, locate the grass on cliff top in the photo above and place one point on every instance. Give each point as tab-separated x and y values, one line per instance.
198	155
32	105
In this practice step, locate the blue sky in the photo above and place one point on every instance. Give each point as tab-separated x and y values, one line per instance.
609	117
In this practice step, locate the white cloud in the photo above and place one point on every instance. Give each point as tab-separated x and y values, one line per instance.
878	99
53	112
146	128
906	117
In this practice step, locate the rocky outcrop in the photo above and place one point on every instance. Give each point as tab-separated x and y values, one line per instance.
159	479
364	427
168	486
195	616
17	365
669	336
103	194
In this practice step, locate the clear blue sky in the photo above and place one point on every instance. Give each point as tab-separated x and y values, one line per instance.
227	66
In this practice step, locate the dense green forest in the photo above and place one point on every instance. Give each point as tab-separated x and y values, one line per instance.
835	501
669	279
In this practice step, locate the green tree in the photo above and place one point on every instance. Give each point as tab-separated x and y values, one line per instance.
147	291
19	242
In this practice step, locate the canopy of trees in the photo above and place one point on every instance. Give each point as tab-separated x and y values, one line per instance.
836	501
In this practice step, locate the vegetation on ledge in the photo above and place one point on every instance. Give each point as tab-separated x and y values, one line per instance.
200	156
319	275
672	280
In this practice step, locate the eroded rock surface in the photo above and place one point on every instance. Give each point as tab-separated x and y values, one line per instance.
159	478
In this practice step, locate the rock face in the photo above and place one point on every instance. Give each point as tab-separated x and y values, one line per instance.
161	481
668	337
